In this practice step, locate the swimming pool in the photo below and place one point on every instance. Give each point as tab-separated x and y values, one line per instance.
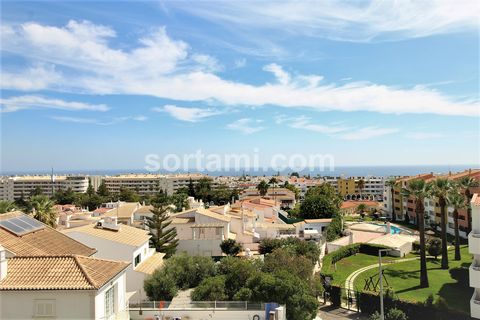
393	229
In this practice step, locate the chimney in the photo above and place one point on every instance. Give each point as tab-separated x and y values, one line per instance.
3	263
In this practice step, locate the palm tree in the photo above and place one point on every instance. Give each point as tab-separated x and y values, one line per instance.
417	189
392	183
440	188
466	183
262	188
457	201
7	206
42	208
361	186
273	182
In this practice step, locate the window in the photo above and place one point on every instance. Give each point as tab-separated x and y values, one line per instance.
138	258
109	303
44	308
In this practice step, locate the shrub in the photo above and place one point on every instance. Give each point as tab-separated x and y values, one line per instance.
189	271
392	314
416	246
230	247
334	229
210	289
434	247
160	286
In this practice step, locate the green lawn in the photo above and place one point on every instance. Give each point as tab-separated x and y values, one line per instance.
403	278
349	265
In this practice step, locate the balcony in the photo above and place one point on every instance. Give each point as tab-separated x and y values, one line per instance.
475	305
474	242
474	274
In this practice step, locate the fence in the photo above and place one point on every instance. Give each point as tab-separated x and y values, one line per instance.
369	302
197	305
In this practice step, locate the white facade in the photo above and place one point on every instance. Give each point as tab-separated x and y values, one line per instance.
65	304
12	188
108	249
146	184
474	248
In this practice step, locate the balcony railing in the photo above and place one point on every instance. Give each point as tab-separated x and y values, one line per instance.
475	305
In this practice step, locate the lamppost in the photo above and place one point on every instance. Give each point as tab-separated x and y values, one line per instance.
382	314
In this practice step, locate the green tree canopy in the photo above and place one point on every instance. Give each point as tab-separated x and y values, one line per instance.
321	202
162	237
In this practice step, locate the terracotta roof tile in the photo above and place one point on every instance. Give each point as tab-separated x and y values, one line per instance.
68	272
46	241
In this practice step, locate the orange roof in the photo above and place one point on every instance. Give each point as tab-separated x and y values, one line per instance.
46	241
353	203
69	272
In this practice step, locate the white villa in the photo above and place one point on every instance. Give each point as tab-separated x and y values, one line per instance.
121	242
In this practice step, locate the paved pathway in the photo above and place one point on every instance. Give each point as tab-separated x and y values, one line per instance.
182	299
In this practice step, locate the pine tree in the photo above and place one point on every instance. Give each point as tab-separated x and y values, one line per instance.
103	191
163	238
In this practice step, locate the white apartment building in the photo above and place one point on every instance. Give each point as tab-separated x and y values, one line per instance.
121	242
474	248
146	184
15	187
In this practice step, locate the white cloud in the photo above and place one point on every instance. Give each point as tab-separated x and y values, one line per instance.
339	131
371	20
187	114
101	122
424	135
35	78
282	76
367	133
163	67
37	102
246	125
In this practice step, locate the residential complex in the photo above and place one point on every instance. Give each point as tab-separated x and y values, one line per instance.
474	248
146	184
352	188
16	187
404	208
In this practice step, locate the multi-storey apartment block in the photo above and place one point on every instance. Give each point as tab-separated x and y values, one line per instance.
12	188
474	248
404	208
351	188
146	184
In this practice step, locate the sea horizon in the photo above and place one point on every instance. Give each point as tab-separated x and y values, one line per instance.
379	170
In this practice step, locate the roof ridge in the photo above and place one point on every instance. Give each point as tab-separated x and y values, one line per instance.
85	273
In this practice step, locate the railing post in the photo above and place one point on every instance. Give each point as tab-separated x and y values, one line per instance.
246	305
215	306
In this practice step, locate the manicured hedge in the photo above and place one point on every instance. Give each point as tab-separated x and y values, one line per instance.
372	249
330	259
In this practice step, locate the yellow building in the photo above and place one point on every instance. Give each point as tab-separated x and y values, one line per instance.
346	186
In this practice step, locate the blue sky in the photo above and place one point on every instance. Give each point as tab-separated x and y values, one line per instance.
100	85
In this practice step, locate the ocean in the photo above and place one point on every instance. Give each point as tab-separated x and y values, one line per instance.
384	171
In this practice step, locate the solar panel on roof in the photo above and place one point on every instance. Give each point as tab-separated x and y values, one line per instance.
21	225
31	221
12	227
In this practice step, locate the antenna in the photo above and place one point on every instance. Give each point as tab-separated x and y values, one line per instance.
53	183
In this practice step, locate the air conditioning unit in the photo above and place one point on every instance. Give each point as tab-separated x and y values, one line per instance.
109	223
